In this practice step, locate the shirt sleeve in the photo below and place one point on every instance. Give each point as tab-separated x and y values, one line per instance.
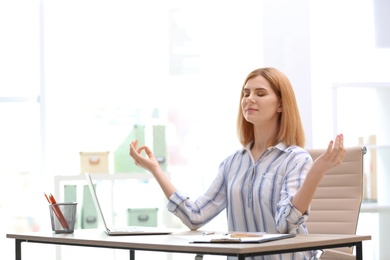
288	218
195	214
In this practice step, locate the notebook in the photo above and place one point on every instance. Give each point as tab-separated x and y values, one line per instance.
126	230
230	238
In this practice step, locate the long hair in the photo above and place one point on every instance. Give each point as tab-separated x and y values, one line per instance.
290	125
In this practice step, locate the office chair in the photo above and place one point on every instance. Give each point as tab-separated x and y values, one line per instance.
336	203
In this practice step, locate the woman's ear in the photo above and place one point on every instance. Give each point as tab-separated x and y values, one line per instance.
279	108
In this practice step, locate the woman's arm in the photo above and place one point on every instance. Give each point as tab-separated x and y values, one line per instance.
333	156
194	214
151	164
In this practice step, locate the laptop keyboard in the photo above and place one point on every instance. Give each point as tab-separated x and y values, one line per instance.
123	229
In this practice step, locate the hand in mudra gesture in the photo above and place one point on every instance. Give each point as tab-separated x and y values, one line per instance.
333	156
148	162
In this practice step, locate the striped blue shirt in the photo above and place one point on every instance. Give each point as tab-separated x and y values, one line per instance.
256	195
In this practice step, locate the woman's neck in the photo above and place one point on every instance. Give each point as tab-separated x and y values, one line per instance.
262	141
264	137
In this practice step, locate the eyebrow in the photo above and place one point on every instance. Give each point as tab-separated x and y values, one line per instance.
247	89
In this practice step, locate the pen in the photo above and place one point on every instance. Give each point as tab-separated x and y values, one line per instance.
54	209
242	235
57	211
60	216
208	233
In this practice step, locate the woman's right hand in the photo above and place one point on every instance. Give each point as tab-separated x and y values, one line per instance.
149	162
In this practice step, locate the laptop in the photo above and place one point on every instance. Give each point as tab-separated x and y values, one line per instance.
125	230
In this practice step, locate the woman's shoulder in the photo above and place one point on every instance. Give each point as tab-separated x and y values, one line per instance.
294	150
237	154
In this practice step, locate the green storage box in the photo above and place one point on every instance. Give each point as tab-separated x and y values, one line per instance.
146	217
89	217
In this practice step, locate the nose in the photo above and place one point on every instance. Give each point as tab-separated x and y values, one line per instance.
249	100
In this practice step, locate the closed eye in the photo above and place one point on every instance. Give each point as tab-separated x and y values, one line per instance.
258	93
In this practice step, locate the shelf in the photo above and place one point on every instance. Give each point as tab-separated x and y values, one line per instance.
60	180
105	176
371	207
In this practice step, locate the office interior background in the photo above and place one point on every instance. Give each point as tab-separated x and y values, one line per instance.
80	75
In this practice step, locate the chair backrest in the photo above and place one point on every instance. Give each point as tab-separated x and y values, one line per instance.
336	203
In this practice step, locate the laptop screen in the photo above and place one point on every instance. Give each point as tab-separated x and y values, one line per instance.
95	199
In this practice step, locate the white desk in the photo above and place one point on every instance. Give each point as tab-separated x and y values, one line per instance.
177	243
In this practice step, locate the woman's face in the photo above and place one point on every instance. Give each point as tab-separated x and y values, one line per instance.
259	103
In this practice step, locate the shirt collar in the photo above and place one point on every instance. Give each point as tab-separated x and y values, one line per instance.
280	146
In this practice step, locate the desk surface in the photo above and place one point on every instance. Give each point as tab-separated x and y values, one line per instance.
180	242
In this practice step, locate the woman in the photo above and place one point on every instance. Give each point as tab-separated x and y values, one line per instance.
268	185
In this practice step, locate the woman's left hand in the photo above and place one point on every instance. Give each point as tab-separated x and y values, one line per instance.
333	156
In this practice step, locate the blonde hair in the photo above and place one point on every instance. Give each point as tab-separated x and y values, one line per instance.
290	125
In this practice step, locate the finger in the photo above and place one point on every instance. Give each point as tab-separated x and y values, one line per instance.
332	150
134	143
342	141
329	149
132	148
338	149
342	149
342	155
139	150
339	146
147	150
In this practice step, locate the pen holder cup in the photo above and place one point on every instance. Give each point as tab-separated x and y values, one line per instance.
63	217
